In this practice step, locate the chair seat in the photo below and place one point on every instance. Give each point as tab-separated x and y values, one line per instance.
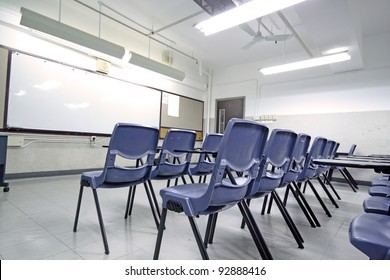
377	204
370	233
190	198
379	191
90	179
201	169
385	182
167	171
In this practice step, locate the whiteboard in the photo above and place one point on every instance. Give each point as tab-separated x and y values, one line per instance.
46	95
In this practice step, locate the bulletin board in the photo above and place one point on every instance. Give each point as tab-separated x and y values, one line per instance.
181	112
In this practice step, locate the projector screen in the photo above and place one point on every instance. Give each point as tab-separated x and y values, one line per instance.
46	95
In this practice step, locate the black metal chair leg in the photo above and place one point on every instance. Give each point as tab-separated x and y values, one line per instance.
213	225
301	205
328	193
286	194
271	199
152	207
265	201
319	199
160	234
290	223
332	187
156	205
350	183
198	238
248	202
351	178
102	229
130	201
76	218
303	199
208	230
304	187
255	231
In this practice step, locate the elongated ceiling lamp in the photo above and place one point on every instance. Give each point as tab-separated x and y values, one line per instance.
308	63
243	13
55	28
155	66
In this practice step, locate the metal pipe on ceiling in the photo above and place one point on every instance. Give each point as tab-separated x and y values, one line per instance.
136	30
292	30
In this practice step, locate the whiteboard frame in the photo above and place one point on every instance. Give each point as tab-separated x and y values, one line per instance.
9	122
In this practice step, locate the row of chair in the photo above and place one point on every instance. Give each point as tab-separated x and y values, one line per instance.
370	232
286	161
132	160
247	164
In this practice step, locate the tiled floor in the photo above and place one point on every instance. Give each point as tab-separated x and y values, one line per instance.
36	222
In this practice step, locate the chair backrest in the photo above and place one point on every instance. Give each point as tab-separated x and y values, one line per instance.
205	164
327	153
240	150
277	157
336	148
298	158
130	143
328	150
315	152
352	149
171	163
212	141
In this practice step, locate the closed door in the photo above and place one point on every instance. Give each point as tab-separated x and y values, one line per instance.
228	109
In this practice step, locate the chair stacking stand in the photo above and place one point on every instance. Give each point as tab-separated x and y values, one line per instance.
130	143
241	146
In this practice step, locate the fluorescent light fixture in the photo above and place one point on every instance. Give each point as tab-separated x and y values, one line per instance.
243	13
318	61
55	28
155	66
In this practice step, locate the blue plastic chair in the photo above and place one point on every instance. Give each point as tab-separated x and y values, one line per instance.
172	164
128	142
241	146
309	170
377	205
383	181
370	233
379	191
343	170
205	164
277	156
296	167
328	152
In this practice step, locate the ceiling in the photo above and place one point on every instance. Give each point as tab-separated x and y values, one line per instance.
319	24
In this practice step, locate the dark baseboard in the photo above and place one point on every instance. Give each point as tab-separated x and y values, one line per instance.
359	182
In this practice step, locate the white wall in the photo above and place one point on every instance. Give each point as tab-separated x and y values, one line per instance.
350	107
